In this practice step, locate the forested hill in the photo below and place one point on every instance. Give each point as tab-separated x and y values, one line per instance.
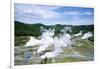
22	29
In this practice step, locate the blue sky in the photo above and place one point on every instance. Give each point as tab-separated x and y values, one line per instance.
51	15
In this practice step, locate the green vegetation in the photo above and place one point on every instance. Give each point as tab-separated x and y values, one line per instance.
22	29
84	47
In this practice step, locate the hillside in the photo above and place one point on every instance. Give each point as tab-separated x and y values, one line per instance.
22	29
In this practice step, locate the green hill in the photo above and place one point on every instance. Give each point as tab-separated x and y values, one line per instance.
22	29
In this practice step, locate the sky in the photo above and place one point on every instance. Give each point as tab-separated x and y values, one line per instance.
51	15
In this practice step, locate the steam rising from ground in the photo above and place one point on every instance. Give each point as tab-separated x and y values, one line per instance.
57	43
87	35
78	34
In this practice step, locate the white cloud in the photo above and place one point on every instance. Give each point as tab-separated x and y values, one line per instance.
44	12
71	13
77	13
88	13
49	14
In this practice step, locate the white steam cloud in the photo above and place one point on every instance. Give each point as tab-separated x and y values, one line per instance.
78	34
57	43
87	35
47	39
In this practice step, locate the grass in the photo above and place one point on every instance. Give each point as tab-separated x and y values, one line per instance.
84	47
69	59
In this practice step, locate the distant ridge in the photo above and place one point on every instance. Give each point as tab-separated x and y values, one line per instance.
23	29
